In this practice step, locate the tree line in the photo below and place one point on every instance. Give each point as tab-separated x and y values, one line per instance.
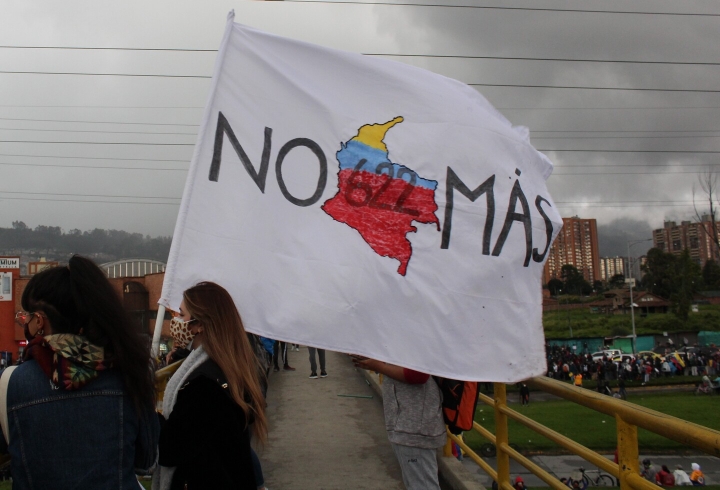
114	244
677	278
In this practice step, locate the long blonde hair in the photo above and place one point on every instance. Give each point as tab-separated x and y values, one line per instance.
226	343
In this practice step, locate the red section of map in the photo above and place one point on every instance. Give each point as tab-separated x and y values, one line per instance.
378	221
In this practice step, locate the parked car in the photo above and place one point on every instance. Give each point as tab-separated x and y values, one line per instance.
609	353
648	353
623	358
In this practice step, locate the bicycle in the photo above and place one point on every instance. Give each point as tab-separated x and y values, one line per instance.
602	480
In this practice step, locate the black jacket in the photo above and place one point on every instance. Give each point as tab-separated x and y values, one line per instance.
206	436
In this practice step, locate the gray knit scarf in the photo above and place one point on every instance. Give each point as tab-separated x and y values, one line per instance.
163	474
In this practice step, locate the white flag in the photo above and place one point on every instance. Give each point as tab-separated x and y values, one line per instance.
366	206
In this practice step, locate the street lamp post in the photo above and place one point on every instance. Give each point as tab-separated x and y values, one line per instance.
632	302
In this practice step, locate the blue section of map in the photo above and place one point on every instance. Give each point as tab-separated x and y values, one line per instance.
353	151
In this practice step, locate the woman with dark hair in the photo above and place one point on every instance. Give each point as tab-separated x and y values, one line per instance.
213	402
81	405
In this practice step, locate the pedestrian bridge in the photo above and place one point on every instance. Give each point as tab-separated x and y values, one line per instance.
329	433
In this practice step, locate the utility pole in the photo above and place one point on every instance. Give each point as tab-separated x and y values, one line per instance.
632	302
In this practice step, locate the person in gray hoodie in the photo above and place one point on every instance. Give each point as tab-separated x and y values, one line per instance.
412	403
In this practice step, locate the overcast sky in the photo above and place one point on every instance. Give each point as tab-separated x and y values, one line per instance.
629	193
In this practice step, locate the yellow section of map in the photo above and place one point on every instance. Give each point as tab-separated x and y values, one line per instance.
373	134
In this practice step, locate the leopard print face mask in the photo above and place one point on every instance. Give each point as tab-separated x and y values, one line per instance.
180	331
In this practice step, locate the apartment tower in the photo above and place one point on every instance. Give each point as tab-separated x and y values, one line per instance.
577	245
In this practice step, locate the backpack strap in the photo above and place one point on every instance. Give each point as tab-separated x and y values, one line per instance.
4	384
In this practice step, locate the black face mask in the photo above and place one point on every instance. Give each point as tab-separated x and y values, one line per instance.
26	331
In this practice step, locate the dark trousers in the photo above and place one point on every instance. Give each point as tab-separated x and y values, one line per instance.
280	350
321	355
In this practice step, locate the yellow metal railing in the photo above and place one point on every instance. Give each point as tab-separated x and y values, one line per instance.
628	418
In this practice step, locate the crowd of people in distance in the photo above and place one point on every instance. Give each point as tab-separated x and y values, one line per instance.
665	478
565	364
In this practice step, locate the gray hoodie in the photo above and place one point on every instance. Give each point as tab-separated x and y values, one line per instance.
413	413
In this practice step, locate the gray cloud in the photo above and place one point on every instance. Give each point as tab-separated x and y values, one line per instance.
582	180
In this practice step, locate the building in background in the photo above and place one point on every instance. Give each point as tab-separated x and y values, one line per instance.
12	339
39	266
139	284
696	237
132	267
139	292
576	245
611	266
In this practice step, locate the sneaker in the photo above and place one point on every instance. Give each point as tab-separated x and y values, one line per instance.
276	369
287	367
323	374
313	375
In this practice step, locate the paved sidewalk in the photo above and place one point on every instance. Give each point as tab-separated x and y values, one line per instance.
319	440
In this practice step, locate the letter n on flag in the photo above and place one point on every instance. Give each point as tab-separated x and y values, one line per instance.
362	205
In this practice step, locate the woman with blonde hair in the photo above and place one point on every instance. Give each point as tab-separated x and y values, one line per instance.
213	401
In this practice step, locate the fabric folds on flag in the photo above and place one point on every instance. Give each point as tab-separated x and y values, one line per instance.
366	206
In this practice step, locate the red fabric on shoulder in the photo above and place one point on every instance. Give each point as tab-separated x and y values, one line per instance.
415	377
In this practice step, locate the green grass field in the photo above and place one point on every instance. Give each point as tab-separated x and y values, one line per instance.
596	430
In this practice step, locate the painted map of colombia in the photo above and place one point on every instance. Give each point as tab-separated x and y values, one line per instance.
378	198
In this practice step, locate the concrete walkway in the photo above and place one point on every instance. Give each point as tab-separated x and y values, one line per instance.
320	440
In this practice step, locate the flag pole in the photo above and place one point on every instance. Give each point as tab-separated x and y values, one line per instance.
157	331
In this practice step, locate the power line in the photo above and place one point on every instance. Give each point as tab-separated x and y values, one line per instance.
86	195
71	106
613	137
99	106
97	143
531	58
554	174
94	158
395	55
585	174
506	85
96	122
555	150
682	201
577	87
629	151
640	165
197	125
625	131
145	75
626	108
88	201
98	48
632	206
93	131
93	167
530	9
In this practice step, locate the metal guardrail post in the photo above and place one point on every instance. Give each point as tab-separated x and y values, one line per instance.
627	441
447	449
501	437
